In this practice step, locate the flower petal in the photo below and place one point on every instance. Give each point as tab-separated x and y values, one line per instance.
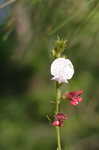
62	70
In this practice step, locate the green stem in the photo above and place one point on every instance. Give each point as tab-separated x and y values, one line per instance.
58	96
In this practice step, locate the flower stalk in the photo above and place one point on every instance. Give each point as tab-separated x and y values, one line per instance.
58	98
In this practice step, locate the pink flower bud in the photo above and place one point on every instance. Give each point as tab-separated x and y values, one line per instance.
74	97
74	103
61	116
56	123
73	94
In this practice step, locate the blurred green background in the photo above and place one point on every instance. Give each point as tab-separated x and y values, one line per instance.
28	29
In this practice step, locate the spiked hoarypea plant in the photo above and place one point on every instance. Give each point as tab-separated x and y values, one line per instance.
62	70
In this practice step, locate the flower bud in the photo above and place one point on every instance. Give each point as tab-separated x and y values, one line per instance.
56	123
59	47
74	97
61	116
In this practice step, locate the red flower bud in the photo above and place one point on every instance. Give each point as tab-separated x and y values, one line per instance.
74	97
56	123
59	119
61	116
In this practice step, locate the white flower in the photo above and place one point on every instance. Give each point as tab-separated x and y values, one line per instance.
62	70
